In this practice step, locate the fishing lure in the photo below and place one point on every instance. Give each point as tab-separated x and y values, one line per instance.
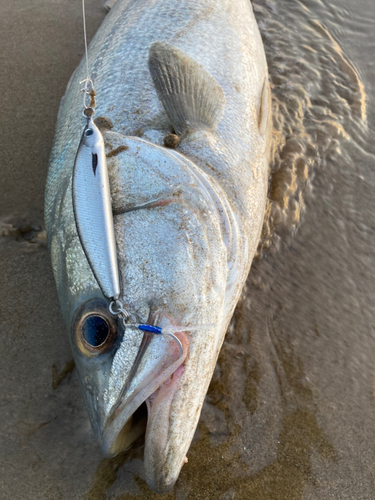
93	209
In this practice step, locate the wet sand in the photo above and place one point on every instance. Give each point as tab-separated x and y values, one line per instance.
290	411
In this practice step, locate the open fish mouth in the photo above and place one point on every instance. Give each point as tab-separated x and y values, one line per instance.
127	421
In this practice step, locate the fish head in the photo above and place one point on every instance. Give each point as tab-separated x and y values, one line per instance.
172	248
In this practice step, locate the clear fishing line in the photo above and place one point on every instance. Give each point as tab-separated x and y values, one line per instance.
85	39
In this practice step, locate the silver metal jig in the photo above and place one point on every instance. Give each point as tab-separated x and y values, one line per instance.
93	210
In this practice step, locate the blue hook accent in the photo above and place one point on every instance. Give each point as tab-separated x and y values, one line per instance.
158	331
150	328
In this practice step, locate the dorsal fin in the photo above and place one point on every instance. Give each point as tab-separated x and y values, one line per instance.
192	98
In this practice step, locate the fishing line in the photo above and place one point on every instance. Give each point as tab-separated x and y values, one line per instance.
85	39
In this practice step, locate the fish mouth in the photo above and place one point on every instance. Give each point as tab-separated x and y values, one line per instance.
128	420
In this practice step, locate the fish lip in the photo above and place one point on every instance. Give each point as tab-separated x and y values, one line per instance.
124	410
159	476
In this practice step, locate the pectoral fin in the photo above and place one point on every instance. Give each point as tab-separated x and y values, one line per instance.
192	98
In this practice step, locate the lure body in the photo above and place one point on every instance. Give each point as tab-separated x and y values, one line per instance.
93	210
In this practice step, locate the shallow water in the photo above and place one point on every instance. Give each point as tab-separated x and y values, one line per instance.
290	410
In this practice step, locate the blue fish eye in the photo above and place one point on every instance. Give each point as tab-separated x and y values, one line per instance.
89	132
95	330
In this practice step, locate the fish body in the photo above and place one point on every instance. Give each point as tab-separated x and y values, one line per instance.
187	221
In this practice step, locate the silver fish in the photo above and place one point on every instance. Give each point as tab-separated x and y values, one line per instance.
190	74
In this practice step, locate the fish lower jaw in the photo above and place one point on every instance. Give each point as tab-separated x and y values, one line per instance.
129	421
160	477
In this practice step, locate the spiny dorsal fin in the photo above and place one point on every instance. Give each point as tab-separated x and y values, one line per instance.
192	98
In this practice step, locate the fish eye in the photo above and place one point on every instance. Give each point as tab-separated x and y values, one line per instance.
89	132
94	328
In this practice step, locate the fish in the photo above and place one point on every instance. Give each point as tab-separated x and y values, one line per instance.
184	111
